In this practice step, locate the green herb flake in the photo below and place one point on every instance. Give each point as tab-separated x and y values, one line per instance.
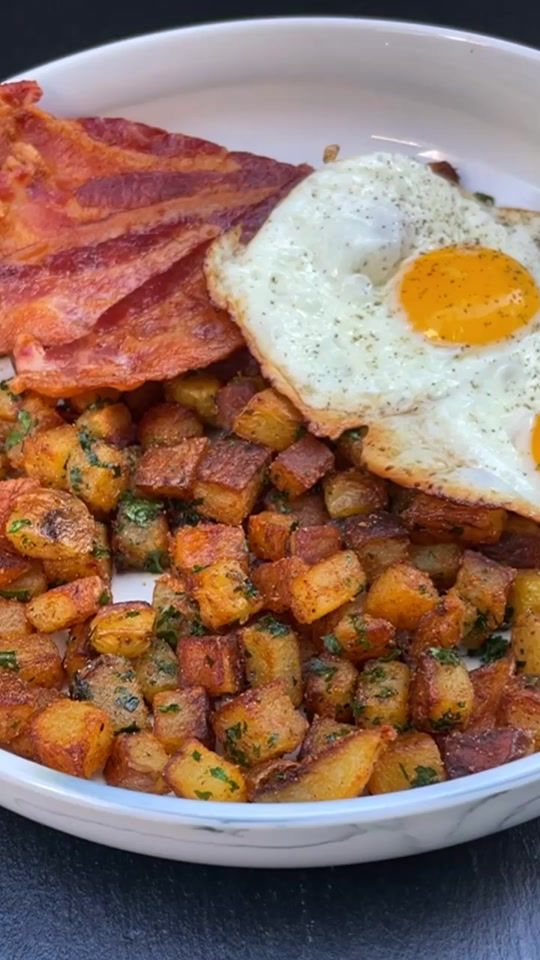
197	756
87	442
8	660
484	198
272	740
156	561
104	598
22	595
139	510
20	431
199	567
18	525
332	644
170	708
336	735
321	669
185	514
75	479
132	613
494	649
445	656
482	621
270	625
360	629
99	552
448	720
126	699
250	590
203	794
280	501
375	674
220	774
424	776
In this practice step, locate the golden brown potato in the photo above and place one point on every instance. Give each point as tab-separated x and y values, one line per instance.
442	694
94	398
215	663
12	566
484	586
520	705
65	606
140	535
180	715
488	683
17	707
166	424
519	545
413	760
34	414
197	391
200	774
78	653
440	627
272	652
28	584
157	669
34	658
525	595
259	776
258	725
269	419
111	683
13	619
466	753
233	397
322	732
194	548
300	466
444	520
73	737
382	694
225	594
307	510
353	634
273	581
350	446
177	614
313	544
45	455
171	471
269	534
441	561
401	594
326	586
123	629
329	687
23	743
352	492
50	525
97	563
526	642
140	400
379	540
137	762
230	475
110	422
97	472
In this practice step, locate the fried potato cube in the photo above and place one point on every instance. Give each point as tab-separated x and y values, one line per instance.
166	424
229	479
123	629
171	471
78	653
272	652
519	545
97	563
351	492
357	636
157	669
17	707
9	403
339	772
520	705
12	566
313	544
233	397
93	398
34	658
485	587
67	605
180	715
258	725
23	743
215	663
413	760
50	525
34	415
488	683
269	534
46	453
444	520
13	619
297	469
97	472
73	737
110	422
382	694
197	391
322	732
526	642
26	585
379	540
194	548
326	586
440	627
350	445
269	419
466	753
197	773
259	776
442	694
137	762
330	684
225	594
140	400
140	535
525	594
177	614
441	561
308	510
401	594
273	581
111	683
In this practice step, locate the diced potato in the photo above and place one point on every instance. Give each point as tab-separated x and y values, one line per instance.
34	415
233	397
520	705
111	683
157	669
339	772
197	391
177	614
273	581
9	403
215	663
97	472
401	594
46	453
442	694
356	635
350	446
194	548
466	753
78	653
519	545
330	684
313	544
10	492
526	642
123	629
13	619
200	774
34	658
142	398
444	520
440	627
441	561
97	563
23	744
12	566
137	762
351	492
308	510
230	476
526	592
50	525
67	605
322	732
94	398
258	725
488	683
484	586
140	535
269	534
28	584
111	423
73	737
413	760
171	471
166	424
326	586
297	469
269	419
382	695
272	652
262	774
180	715
225	594
379	540
17	707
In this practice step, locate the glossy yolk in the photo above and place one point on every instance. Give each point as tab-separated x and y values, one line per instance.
468	295
535	440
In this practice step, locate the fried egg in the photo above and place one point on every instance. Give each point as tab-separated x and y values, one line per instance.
377	293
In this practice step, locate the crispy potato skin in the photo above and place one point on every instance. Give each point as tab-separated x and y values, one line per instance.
441	561
349	493
50	525
269	534
466	753
442	694
34	658
413	760
440	627
484	586
272	652
67	605
330	684
23	744
137	762
123	629
269	419
157	669
488	683
322	732
458	522
229	479
45	455
297	469
208	543
525	596
242	725
520	706
17	707
225	594
198	773
317	543
273	581
13	619
355	635
166	424
196	391
98	473
401	594
307	510
526	642
233	397
72	737
78	653
111	683
171	471
326	586
382	695
213	662
180	715
379	540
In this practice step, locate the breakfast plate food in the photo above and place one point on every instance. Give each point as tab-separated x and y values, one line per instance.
270	501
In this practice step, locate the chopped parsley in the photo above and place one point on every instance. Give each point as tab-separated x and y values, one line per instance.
447	720
203	794
18	525
156	561
375	674
81	689
272	626
20	431
220	774
100	552
336	735
126	699
359	626
250	590
8	660
170	708
484	198
23	595
482	621
87	442
354	435
332	644
199	567
168	624
197	755
132	613
185	514
300	431
445	656
272	740
423	776
321	669
139	510
232	735
168	667
104	598
4	386
493	649
75	479
280	501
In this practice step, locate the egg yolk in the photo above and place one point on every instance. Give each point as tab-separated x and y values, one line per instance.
468	295
535	440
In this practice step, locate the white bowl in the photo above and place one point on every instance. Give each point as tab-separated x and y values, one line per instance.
287	88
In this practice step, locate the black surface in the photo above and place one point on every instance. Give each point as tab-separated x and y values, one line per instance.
62	899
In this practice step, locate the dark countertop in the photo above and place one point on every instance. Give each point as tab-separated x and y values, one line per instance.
62	898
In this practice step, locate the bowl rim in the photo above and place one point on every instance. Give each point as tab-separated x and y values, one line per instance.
59	789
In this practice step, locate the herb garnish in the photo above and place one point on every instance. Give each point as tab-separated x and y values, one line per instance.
139	510
170	708
8	660
447	657
493	649
272	626
220	774
20	431
87	442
